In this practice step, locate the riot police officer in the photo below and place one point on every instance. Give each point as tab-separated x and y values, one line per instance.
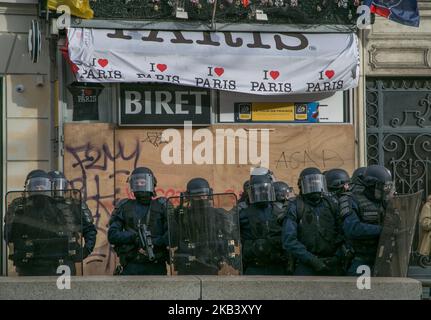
282	193
200	233
260	231
37	232
311	228
338	181
138	228
75	219
243	201
339	186
357	184
363	224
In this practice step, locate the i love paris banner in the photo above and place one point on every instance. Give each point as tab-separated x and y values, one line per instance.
256	63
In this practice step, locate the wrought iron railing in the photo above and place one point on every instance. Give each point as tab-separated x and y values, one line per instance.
314	12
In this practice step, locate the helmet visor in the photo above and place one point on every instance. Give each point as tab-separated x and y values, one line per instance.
142	182
313	183
200	192
38	184
59	184
263	192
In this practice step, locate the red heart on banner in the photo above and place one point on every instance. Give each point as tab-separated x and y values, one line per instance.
330	73
219	71
103	62
274	74
162	67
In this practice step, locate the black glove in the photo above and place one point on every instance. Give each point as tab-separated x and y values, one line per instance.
318	265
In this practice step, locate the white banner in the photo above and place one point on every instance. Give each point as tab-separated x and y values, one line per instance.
256	63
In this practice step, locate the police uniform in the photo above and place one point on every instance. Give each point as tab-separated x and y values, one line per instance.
261	240
123	234
312	232
362	228
363	223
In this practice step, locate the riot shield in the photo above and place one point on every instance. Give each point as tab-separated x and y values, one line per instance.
396	239
43	232
204	235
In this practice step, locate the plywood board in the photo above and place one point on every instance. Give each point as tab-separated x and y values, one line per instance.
103	157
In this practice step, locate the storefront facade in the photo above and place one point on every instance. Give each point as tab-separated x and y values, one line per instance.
216	123
98	131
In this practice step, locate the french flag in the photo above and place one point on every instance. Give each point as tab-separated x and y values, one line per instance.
402	11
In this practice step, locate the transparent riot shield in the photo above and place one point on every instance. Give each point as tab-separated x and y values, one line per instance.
204	235
43	232
396	239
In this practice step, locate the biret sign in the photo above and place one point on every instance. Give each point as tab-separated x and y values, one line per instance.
163	105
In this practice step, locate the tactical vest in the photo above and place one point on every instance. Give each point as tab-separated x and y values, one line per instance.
318	233
154	216
40	235
370	213
268	232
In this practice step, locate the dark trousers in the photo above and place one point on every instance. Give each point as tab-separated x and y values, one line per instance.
144	269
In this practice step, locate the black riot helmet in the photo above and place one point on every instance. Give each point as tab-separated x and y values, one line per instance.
312	181
38	181
378	182
198	187
261	189
358	174
59	183
142	180
337	180
262	171
282	191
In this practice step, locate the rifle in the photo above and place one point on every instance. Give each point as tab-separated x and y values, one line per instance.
146	241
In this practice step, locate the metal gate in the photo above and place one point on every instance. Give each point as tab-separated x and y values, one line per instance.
399	133
399	130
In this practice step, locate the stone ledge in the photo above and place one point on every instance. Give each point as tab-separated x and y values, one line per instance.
102	288
308	288
209	288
